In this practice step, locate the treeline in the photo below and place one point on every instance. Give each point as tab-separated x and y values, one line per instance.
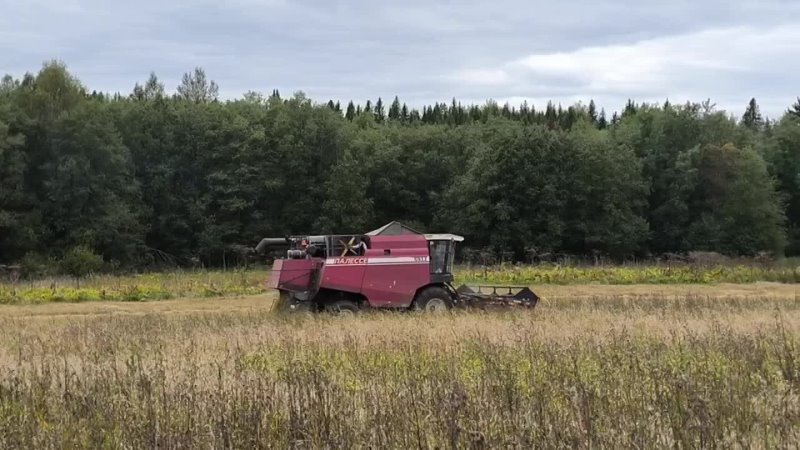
148	178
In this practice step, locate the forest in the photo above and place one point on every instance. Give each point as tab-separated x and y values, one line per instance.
150	178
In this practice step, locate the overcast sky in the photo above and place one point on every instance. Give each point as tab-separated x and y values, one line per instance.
425	51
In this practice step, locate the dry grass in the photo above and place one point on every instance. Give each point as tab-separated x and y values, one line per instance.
212	284
613	366
263	302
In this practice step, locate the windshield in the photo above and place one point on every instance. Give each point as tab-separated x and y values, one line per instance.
441	256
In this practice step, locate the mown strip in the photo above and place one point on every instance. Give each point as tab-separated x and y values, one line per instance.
208	284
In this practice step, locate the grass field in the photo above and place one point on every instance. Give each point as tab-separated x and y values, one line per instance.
593	366
142	287
212	284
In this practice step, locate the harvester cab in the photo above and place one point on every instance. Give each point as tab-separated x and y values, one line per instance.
346	273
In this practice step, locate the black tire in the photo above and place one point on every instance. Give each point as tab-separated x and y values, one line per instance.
342	308
433	299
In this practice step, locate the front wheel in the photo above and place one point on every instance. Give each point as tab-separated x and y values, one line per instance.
345	308
433	299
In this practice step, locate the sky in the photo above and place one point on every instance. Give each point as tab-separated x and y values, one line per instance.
425	51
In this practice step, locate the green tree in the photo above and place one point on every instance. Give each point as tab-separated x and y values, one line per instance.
17	229
78	172
602	122
350	114
153	89
795	109
733	206
8	84
509	197
380	114
607	196
148	178
80	262
659	138
783	156
394	110
89	193
752	116
196	87
630	108
592	112
346	209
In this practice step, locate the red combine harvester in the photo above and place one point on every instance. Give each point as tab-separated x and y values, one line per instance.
346	273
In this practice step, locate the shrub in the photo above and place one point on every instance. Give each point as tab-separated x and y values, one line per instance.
80	262
34	265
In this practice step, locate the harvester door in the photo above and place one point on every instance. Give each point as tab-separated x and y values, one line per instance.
441	257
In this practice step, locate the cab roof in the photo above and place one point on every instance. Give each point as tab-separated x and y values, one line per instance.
444	237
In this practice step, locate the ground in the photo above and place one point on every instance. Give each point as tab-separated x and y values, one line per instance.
263	302
651	366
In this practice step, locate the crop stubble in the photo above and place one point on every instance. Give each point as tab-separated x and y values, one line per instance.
603	366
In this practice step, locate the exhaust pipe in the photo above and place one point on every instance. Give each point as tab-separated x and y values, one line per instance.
270	242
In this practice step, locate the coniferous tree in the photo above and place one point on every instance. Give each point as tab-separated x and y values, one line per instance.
752	116
394	110
602	122
436	114
795	109
550	115
506	111
380	114
630	108
350	114
524	112
592	111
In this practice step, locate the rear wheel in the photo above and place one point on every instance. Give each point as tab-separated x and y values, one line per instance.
342	308
433	299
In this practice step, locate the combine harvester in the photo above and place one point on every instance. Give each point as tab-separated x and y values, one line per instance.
390	268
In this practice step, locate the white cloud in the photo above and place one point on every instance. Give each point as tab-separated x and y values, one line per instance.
424	51
482	76
726	63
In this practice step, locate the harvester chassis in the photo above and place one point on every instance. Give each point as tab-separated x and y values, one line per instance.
480	297
393	272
